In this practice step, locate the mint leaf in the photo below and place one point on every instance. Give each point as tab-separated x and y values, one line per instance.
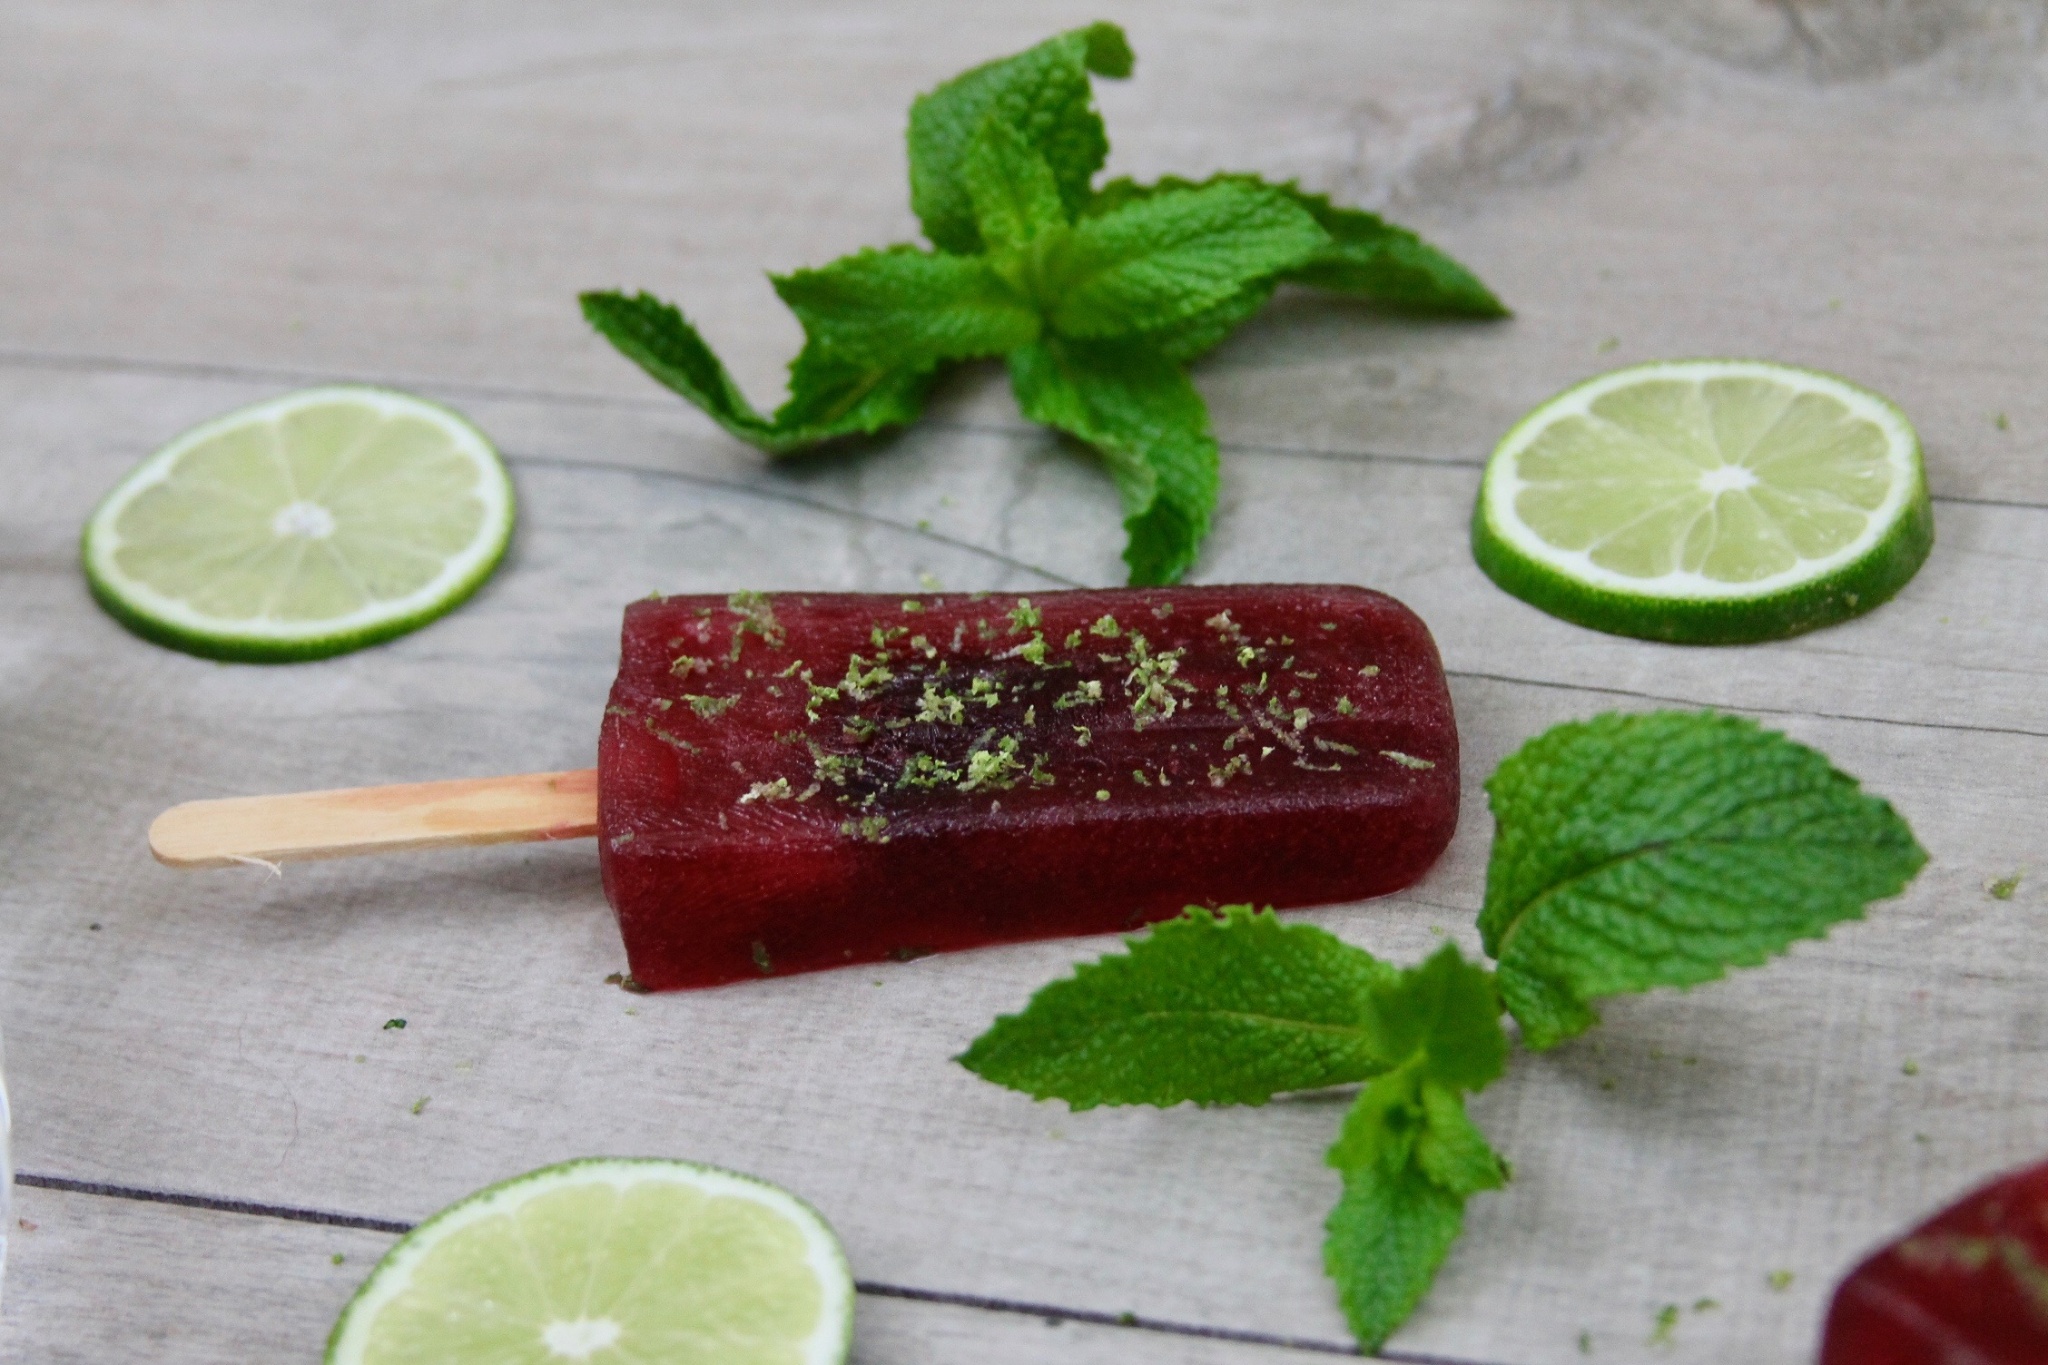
1229	1007
901	308
1446	1012
1634	851
1166	257
1378	260
1409	1155
1197	334
1386	1238
1042	93
1096	298
1012	188
1366	255
829	396
1139	410
1410	1158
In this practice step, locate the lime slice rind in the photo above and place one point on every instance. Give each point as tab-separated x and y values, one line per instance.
826	1343
1688	606
181	623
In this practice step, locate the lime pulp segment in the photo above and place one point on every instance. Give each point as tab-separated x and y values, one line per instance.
608	1261
305	525
1706	501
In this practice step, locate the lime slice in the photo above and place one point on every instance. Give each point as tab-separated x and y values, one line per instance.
1706	502
307	525
608	1261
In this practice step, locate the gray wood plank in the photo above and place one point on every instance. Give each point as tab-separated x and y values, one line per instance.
423	196
95	1279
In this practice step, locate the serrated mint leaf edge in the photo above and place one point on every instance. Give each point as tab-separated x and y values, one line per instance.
1405	1177
1222	919
623	320
1552	1010
935	138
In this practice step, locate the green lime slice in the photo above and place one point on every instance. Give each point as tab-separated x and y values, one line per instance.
608	1261
1706	502
303	526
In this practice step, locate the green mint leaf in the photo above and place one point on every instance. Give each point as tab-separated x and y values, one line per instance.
1197	334
1012	188
1166	257
1446	1012
1229	1007
656	336
1634	851
1409	1154
1139	410
1042	93
829	396
1366	256
1377	260
1450	1149
1385	1239
1410	1158
902	308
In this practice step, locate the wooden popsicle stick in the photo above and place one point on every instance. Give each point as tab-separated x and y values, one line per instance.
356	820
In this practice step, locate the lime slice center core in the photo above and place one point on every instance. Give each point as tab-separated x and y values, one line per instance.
580	1338
306	519
1729	478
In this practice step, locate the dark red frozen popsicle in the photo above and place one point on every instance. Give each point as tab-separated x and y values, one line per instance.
1967	1287
793	782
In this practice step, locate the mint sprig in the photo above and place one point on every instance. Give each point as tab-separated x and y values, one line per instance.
1629	852
1660	850
1097	298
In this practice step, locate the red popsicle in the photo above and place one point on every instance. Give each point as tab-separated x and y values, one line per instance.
1967	1287
794	782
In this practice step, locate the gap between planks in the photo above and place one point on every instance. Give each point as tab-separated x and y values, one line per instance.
238	372
874	1289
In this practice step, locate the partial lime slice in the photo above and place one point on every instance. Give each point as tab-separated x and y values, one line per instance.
1706	502
609	1261
307	525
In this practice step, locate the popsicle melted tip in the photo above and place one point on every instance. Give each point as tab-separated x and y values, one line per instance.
792	782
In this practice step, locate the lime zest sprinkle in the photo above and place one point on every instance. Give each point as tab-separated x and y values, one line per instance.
991	767
757	617
1406	760
1084	694
1219	775
778	790
944	708
868	829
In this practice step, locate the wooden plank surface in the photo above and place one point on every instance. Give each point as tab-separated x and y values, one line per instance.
266	1286
206	203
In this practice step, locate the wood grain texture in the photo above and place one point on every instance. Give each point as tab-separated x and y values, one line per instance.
350	822
269	1289
209	201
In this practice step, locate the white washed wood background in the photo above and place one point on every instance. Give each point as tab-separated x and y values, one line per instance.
205	203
